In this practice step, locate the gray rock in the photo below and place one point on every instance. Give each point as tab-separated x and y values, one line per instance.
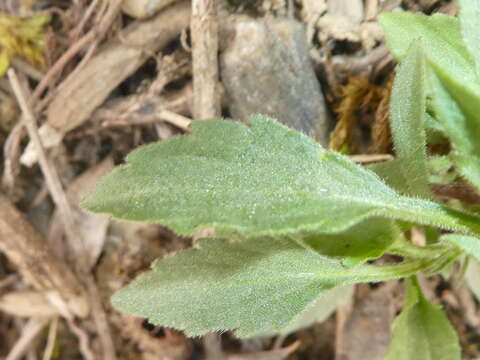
265	69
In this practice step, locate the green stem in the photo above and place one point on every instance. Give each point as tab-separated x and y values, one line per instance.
406	268
406	249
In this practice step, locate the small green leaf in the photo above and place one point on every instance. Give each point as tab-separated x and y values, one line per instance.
468	244
442	41
260	180
469	15
407	121
462	130
440	169
255	286
367	240
422	331
453	83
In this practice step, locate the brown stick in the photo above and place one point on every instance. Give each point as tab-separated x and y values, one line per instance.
28	250
75	239
204	32
30	331
51	177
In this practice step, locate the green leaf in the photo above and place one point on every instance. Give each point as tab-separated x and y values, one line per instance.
454	86
462	130
407	121
367	240
389	171
422	331
435	132
255	286
260	180
469	15
442	41
318	311
440	169
468	244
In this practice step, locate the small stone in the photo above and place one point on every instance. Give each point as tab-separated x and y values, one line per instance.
265	69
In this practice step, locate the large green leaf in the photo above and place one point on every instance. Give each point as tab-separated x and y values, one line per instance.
255	286
422	331
469	15
260	180
407	121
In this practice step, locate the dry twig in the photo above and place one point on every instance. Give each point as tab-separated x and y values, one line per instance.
73	235
52	335
204	32
31	330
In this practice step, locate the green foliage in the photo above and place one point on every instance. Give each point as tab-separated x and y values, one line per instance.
407	122
422	331
367	240
468	244
260	180
462	131
469	15
319	310
440	169
453	84
295	224
255	285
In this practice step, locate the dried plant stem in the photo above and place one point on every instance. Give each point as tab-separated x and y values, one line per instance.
75	239
31	330
52	336
180	121
204	32
51	177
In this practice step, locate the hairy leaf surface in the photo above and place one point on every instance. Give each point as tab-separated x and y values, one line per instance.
453	82
469	15
255	286
407	121
422	331
260	180
318	311
442	40
367	240
468	244
462	130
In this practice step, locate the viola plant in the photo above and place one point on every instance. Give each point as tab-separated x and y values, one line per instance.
297	225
